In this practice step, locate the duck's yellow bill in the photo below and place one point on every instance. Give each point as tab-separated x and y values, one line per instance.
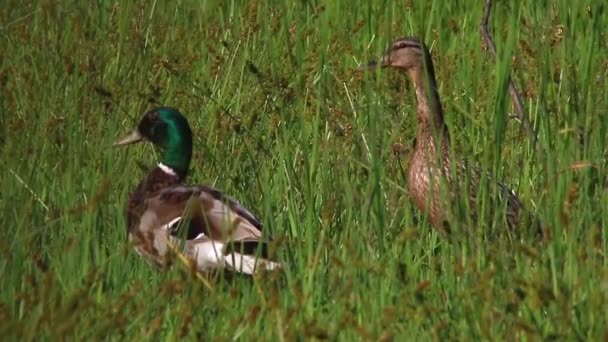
132	138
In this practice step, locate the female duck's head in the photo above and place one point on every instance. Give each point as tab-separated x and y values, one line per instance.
169	130
404	53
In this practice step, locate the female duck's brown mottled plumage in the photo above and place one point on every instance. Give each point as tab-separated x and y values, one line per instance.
432	166
213	230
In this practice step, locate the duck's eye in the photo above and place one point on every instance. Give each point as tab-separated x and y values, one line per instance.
399	45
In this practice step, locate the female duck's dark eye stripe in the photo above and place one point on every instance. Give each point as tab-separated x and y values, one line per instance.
403	45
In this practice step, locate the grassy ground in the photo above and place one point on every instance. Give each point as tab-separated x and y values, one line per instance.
284	124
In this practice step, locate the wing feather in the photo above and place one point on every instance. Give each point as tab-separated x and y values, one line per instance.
203	210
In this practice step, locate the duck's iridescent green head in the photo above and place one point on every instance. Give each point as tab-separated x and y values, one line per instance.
169	130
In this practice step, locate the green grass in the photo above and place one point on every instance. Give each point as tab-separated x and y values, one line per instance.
284	124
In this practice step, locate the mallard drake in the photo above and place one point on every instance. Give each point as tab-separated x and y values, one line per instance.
210	229
432	164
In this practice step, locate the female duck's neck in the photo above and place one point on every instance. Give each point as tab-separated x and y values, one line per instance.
430	113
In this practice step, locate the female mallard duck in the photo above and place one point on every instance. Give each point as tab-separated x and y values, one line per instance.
212	230
431	165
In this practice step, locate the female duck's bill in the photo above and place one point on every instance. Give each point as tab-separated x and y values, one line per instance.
372	64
